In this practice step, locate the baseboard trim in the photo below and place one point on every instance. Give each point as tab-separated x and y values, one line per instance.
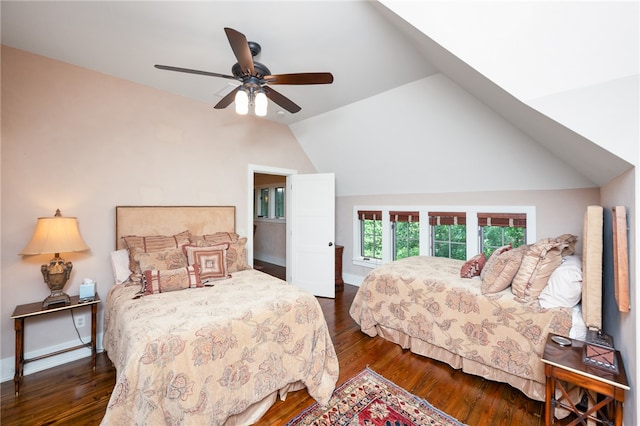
271	259
352	279
7	367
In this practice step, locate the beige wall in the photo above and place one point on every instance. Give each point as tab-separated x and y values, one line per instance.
85	142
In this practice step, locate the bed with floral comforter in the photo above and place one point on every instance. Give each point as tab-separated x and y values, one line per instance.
422	304
208	355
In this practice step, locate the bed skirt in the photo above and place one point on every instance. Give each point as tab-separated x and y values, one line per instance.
531	388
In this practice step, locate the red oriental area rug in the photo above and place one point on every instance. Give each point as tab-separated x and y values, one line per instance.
369	399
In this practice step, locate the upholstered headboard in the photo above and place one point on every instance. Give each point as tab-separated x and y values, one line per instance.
592	267
170	220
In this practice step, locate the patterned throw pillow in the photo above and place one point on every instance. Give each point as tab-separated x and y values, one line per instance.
162	281
537	265
236	253
211	262
501	272
493	259
473	266
161	260
151	243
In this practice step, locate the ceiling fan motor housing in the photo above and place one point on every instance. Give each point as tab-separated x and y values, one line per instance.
261	70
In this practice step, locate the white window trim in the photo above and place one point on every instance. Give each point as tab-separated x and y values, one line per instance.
473	243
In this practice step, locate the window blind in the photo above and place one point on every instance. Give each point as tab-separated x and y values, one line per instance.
404	216
447	218
370	214
518	220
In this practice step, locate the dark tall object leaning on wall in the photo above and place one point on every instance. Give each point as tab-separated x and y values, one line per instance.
615	260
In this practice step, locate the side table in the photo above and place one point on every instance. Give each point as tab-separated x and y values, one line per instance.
564	363
34	309
339	280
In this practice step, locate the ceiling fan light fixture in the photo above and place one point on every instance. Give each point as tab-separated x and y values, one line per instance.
261	102
242	102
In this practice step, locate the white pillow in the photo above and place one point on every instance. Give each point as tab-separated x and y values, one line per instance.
565	285
120	265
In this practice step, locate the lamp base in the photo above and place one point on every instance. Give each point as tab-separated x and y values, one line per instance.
56	298
56	274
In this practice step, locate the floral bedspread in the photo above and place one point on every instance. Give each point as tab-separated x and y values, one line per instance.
424	298
200	355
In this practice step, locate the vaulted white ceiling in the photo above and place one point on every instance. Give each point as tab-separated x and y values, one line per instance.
564	74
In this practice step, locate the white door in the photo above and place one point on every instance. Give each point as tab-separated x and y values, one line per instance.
311	228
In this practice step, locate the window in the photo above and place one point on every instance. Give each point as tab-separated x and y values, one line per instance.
406	233
499	229
448	234
279	202
382	234
270	202
370	234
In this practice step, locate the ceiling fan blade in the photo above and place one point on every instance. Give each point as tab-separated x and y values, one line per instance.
227	99
240	48
281	100
300	78
190	71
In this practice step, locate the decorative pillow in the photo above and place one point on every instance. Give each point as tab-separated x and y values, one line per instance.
473	266
162	281
537	265
565	285
570	240
146	244
501	272
493	259
217	238
120	265
211	261
236	254
161	260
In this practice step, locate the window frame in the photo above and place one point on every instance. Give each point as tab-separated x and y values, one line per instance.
473	229
408	217
270	215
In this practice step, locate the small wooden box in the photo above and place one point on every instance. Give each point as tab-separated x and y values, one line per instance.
599	351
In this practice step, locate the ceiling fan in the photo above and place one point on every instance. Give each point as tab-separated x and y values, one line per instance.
256	78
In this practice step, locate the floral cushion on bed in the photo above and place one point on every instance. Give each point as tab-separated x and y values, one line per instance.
236	253
150	243
473	266
493	259
211	261
538	264
217	238
162	281
160	260
500	273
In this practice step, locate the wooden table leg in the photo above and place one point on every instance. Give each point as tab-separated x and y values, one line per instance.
550	390
18	325
94	310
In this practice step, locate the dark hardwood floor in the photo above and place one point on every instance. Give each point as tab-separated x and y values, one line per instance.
74	394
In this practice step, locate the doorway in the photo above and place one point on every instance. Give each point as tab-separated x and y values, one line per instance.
264	227
269	223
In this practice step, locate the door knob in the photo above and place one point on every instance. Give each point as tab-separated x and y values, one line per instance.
330	244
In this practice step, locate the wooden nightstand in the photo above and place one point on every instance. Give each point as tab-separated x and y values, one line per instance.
33	309
605	388
339	280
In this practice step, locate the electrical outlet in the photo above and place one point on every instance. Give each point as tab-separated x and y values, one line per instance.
79	321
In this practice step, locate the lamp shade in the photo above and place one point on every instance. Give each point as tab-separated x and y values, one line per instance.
55	235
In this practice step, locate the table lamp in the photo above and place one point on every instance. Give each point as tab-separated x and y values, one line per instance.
56	235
